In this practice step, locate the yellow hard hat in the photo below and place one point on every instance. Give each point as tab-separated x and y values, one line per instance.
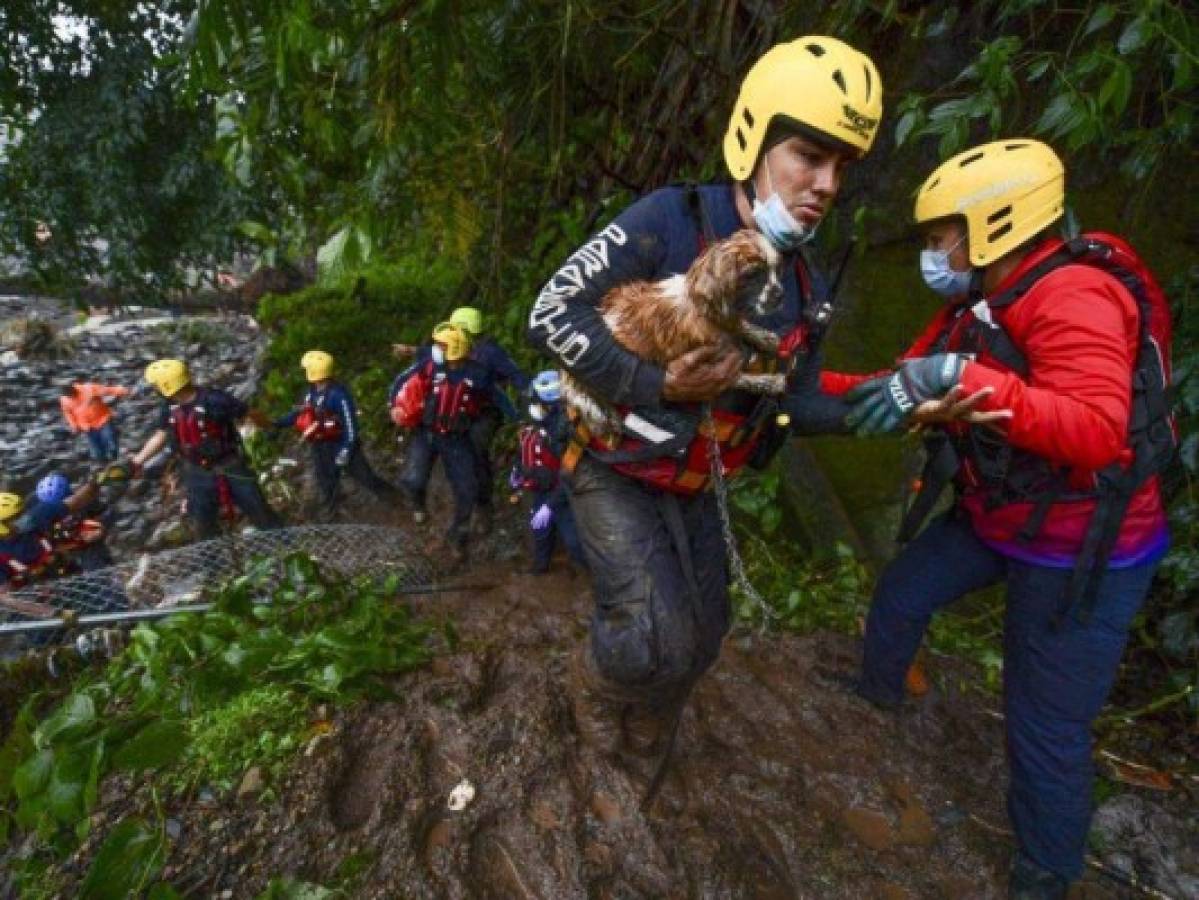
169	376
816	83
10	508
468	319
1007	192
456	341
317	365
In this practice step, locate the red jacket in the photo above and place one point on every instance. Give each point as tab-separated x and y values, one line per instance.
1078	329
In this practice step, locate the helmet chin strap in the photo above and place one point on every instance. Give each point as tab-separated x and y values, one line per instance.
976	291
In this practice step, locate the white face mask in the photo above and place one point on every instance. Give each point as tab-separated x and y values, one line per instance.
536	412
438	353
940	276
776	223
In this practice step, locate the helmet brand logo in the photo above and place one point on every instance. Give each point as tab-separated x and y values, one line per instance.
857	122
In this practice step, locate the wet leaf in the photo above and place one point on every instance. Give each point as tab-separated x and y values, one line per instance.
128	859
1117	88
76	715
916	681
158	744
1134	36
1140	776
33	774
1102	15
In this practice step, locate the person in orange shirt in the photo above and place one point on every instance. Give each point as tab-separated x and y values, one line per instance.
85	411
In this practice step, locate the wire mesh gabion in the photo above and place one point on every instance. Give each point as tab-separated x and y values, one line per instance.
175	577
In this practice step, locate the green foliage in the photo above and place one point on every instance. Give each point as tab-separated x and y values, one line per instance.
356	319
104	151
260	727
804	594
1113	78
290	889
126	862
201	697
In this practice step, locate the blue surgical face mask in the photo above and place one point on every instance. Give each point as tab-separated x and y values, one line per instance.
940	276
774	221
438	354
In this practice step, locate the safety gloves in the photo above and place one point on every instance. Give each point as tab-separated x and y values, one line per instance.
541	518
343	458
882	405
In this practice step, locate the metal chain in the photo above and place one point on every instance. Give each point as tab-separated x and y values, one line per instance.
721	490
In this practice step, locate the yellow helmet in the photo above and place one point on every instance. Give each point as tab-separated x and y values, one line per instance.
468	319
317	365
1007	191
10	508
815	82
457	342
169	376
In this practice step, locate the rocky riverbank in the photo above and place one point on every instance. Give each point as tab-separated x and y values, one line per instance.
44	345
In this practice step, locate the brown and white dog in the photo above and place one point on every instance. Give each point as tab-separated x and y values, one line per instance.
660	321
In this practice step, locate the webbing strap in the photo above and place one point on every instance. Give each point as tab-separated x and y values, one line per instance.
941	465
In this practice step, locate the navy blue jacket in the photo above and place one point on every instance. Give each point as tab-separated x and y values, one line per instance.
657	237
336	399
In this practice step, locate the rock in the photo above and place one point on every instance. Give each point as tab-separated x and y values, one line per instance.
173	829
605	808
870	827
543	816
915	826
888	890
252	783
1136	836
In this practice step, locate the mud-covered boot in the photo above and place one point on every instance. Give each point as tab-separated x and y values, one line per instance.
650	736
598	710
484	520
1029	881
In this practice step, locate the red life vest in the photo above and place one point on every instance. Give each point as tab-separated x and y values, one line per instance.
201	440
317	424
74	533
408	410
450	406
539	464
21	573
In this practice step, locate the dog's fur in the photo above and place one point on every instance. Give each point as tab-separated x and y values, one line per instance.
660	321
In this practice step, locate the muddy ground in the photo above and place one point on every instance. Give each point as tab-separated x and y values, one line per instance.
784	784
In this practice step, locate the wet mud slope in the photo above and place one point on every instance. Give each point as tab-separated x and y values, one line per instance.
473	783
784	785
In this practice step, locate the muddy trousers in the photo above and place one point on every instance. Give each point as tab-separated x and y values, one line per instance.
561	528
204	499
652	633
1056	679
482	435
458	458
328	475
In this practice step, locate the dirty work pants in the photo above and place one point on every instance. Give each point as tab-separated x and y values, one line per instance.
561	527
324	456
1056	680
103	443
482	434
204	499
458	459
651	634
